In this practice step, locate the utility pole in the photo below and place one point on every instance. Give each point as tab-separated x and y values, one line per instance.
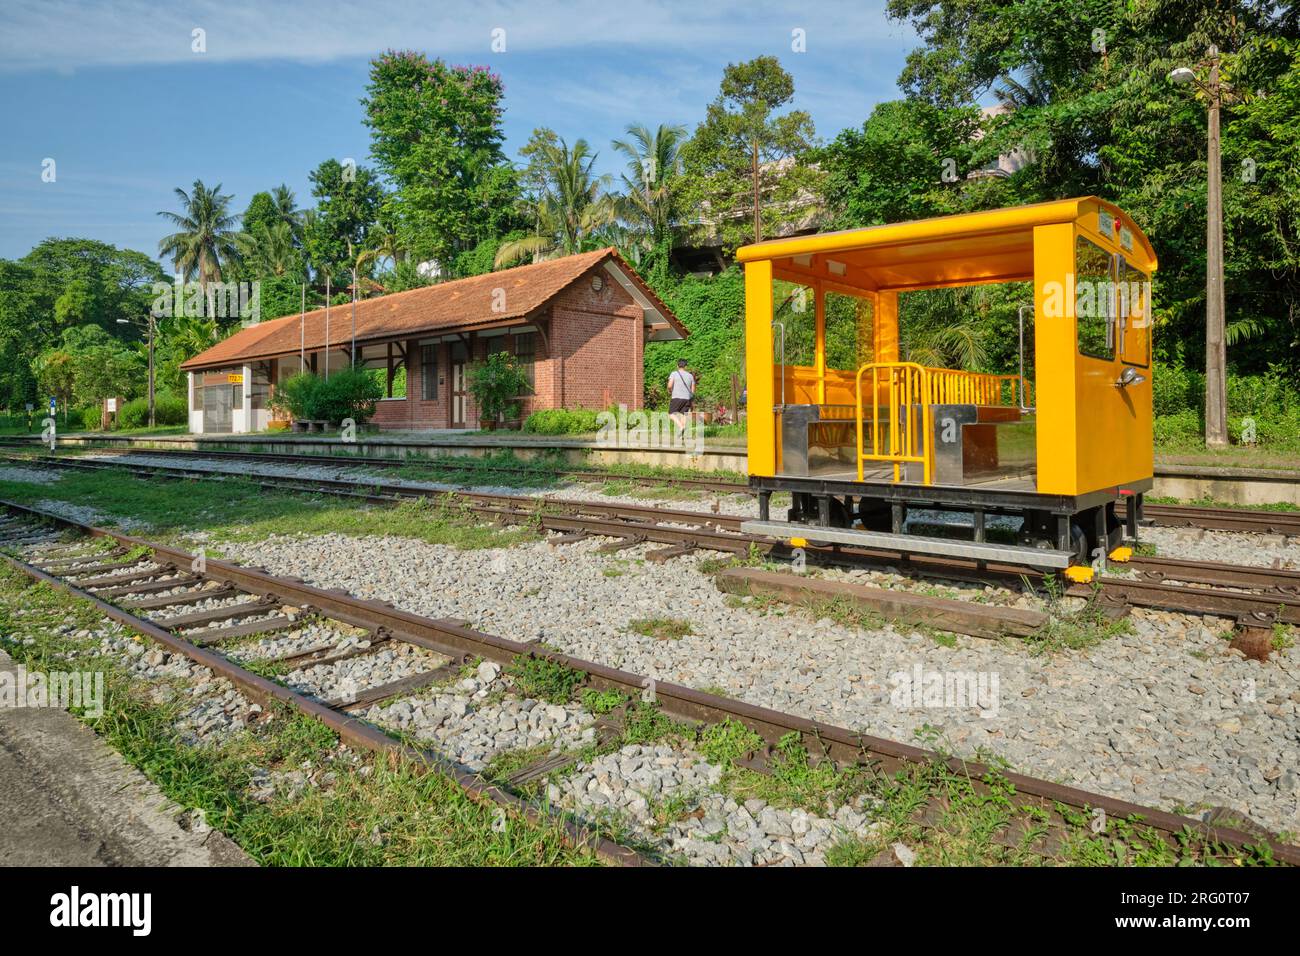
153	329
758	215
1216	358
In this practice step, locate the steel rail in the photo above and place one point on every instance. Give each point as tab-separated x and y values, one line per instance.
351	729
1173	516
836	743
1279	600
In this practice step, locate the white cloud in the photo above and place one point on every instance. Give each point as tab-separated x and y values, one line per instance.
73	34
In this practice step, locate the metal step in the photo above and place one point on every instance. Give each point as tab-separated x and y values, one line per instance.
913	544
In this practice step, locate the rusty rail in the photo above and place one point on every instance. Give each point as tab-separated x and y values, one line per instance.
452	639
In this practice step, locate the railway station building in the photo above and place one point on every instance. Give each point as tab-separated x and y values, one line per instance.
578	325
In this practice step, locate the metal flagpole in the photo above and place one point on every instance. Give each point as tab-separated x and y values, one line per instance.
327	325
302	332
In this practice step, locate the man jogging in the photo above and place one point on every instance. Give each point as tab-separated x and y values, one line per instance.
681	392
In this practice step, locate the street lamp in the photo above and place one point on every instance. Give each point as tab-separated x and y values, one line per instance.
151	326
1216	360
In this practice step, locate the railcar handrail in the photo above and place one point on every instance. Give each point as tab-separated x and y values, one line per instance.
952	386
908	388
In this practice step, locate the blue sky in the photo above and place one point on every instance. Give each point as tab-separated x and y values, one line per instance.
117	97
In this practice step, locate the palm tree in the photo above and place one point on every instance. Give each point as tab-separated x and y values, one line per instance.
207	235
269	250
571	206
653	160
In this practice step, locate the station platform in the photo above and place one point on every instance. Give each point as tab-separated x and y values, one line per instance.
68	799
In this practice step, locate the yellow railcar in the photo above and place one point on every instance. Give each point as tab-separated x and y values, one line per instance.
875	447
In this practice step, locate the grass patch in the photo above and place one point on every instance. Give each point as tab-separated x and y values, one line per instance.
661	628
239	509
1073	629
372	812
600	702
543	679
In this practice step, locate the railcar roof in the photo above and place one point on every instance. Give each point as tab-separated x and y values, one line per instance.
995	245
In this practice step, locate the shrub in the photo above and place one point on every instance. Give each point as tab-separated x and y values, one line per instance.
298	395
1175	389
561	421
90	418
1180	428
168	409
495	383
350	393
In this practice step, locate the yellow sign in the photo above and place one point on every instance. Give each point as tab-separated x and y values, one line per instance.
235	378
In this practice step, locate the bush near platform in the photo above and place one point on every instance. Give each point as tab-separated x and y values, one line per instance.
350	393
562	421
168	409
1270	400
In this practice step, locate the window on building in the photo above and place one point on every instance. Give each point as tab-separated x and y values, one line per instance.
526	354
429	373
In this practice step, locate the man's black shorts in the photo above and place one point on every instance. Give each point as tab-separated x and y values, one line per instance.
679	405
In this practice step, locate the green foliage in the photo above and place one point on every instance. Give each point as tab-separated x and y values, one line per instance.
482	258
168	409
60	284
495	383
568	203
743	146
561	421
205	236
546	680
349	393
436	133
347	208
600	702
725	743
712	309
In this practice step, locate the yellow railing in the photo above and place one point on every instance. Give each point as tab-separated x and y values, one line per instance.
901	397
906	388
950	386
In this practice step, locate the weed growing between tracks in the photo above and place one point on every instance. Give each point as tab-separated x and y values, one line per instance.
1073	627
365	811
241	510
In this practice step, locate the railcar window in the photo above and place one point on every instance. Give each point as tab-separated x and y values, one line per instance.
796	308
849	327
1094	300
1134	294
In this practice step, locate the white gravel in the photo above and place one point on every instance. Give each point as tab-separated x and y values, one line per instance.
1166	715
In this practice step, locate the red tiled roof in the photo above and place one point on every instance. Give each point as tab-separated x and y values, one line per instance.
461	304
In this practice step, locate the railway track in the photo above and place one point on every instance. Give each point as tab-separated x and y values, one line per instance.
1255	598
1172	516
147	586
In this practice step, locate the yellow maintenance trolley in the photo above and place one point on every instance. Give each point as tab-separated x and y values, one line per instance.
872	447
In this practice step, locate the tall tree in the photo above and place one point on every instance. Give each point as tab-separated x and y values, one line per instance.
571	203
348	200
436	134
1092	105
745	155
653	165
205	235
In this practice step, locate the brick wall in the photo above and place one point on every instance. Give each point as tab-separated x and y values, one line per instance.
599	343
595	358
